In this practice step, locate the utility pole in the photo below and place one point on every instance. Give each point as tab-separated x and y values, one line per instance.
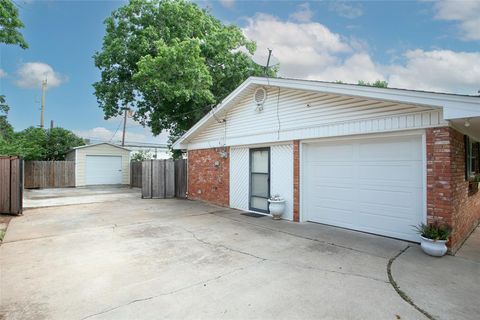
44	88
124	124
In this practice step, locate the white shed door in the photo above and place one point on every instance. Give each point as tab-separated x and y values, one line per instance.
103	170
371	185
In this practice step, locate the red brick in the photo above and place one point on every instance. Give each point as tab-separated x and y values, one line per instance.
208	175
447	191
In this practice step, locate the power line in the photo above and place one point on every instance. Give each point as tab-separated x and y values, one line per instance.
118	127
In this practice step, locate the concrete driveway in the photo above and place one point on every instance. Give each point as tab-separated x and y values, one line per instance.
121	257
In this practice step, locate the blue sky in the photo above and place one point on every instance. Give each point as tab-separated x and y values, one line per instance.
422	45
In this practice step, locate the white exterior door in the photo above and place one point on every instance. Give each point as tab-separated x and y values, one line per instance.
103	170
372	185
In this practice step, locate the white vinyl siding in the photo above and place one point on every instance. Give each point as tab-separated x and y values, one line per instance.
100	150
326	115
370	184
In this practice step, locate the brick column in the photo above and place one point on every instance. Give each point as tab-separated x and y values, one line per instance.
296	180
439	175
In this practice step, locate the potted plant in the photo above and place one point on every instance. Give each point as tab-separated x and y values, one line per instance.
276	206
434	237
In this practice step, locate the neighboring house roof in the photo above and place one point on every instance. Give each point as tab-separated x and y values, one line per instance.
454	106
97	144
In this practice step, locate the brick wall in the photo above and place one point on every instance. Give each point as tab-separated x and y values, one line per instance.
208	176
466	213
448	198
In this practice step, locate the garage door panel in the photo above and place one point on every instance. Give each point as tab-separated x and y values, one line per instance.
377	191
401	149
103	170
334	152
397	172
363	207
330	170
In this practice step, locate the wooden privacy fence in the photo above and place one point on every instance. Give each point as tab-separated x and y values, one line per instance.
49	174
181	178
136	174
164	179
11	185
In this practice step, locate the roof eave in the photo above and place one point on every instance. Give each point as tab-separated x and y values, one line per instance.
454	106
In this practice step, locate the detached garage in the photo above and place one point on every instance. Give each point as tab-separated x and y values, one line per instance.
101	164
377	160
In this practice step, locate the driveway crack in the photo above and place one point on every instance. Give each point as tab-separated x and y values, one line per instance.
399	291
278	261
222	246
172	291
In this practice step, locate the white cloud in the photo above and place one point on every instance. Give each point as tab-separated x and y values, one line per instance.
132	135
467	13
346	10
227	3
358	66
299	46
438	70
312	51
3	73
303	13
31	75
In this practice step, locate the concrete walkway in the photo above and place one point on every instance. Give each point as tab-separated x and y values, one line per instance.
447	287
131	258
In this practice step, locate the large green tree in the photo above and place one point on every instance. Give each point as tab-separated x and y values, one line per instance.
41	144
170	61
10	24
6	129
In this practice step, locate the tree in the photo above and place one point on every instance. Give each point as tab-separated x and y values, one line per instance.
59	142
170	61
6	129
378	83
141	156
41	144
9	25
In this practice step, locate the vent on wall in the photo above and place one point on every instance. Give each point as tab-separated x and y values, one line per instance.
259	98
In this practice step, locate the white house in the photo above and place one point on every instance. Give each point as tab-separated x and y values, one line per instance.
370	159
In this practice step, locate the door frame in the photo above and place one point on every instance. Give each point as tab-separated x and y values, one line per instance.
250	151
419	133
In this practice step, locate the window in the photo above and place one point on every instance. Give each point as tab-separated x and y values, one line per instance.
472	158
259	179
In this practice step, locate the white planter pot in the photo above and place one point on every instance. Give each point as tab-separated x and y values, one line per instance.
276	207
436	248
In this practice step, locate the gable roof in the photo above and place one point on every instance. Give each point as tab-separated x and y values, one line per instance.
97	144
455	106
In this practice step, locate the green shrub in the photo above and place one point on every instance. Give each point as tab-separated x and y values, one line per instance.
434	231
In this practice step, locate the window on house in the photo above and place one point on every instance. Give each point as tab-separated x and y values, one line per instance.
472	157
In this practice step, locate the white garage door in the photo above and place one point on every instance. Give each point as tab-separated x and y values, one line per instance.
372	185
103	170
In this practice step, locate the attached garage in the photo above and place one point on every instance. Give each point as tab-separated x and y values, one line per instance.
101	164
377	160
368	184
